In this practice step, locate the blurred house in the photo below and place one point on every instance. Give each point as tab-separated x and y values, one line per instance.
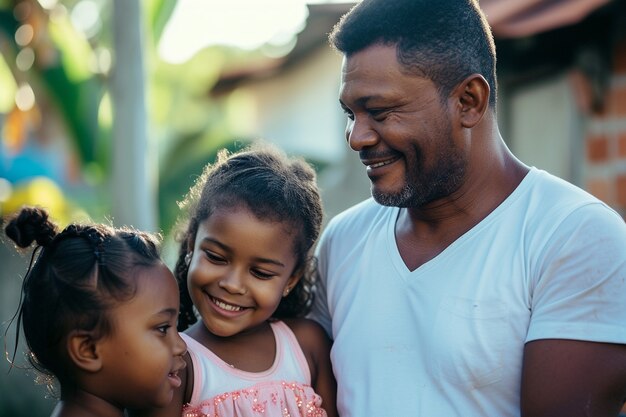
562	95
294	103
562	88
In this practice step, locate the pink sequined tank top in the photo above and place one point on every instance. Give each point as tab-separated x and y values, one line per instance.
284	389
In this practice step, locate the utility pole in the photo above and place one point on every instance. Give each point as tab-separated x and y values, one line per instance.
134	176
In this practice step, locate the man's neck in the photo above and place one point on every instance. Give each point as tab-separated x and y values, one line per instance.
424	232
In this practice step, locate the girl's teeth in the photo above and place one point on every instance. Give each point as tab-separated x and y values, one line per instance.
225	306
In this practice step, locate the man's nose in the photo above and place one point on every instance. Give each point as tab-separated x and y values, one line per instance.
360	134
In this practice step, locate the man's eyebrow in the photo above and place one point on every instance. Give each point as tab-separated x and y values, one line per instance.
362	101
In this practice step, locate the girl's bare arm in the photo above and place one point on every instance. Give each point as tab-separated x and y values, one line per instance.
316	346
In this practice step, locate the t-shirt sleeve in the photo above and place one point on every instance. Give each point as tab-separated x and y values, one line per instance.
319	311
579	281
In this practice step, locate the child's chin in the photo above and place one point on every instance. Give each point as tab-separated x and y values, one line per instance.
163	400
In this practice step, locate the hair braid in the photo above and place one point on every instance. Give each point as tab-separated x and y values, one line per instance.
186	317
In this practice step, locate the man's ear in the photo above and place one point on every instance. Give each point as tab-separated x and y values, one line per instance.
82	348
473	99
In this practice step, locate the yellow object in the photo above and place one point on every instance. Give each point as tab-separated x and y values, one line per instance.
40	192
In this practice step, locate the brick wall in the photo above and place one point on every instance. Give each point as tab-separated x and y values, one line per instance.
605	139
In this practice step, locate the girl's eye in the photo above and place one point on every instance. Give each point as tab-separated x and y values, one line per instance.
262	275
163	329
215	258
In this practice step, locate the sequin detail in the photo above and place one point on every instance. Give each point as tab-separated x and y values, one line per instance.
268	399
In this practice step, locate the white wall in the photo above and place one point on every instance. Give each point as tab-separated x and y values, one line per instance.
546	130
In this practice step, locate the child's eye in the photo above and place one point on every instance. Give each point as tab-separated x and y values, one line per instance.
215	258
163	329
262	275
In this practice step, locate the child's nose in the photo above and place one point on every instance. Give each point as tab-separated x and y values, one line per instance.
180	347
233	282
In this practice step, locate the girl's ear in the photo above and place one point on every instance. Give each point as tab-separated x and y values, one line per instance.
293	281
82	348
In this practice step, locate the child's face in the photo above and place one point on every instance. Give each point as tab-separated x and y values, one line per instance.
141	357
240	269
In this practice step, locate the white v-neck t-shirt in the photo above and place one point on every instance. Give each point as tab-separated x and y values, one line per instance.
447	338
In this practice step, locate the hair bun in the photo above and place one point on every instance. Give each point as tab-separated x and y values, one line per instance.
31	224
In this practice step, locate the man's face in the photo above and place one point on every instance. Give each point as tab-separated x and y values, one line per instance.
401	127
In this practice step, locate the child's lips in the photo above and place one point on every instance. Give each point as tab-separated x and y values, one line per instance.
173	375
174	379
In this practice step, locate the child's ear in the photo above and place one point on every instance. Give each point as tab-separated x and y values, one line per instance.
82	348
293	281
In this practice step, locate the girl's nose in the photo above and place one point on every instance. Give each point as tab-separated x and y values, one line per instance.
233	282
180	347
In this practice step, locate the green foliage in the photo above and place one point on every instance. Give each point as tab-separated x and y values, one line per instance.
158	13
78	104
183	166
64	81
8	24
186	124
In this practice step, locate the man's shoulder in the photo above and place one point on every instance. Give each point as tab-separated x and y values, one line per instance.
555	201
358	213
356	222
560	194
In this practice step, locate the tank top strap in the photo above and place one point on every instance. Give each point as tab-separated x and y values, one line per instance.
289	346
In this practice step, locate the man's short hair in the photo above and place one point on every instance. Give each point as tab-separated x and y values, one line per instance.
442	40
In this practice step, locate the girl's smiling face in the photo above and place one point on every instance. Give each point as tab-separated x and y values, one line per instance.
142	356
240	269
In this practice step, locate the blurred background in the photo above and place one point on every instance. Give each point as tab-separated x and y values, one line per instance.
109	109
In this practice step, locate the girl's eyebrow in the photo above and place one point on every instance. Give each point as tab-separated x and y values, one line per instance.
216	242
229	250
172	312
269	261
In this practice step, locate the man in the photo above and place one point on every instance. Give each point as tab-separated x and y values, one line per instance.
471	284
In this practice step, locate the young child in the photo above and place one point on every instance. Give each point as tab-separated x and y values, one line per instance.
99	312
245	267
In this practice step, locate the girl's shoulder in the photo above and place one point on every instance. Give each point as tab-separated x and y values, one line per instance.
312	339
306	328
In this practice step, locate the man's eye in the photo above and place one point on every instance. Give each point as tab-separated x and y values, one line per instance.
348	113
378	114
